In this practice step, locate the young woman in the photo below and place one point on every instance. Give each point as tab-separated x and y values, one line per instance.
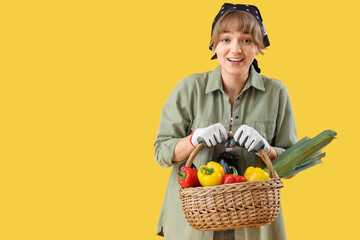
234	97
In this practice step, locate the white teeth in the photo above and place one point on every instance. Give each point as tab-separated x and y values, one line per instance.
235	59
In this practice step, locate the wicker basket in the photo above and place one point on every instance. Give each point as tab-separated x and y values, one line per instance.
231	206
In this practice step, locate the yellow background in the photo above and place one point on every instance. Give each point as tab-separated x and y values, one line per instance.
82	84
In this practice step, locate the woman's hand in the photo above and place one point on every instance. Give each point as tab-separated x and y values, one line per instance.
210	136
250	139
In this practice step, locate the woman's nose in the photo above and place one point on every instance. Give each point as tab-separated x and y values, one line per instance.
236	48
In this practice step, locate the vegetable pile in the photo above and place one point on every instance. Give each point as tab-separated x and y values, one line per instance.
213	173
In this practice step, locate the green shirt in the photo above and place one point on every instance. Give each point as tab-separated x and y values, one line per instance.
199	101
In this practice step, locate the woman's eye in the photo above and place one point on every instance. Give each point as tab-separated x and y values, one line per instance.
246	40
225	40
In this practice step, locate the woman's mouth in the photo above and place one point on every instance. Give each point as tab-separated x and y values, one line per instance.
235	60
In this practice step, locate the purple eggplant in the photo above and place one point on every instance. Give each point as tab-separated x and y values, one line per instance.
227	159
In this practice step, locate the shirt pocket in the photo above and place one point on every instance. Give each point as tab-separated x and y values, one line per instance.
266	128
200	123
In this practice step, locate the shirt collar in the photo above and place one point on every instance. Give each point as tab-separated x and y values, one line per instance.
215	83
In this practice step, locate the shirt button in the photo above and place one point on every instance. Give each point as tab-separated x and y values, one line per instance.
236	117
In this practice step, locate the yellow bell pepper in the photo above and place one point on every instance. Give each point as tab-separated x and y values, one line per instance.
255	174
211	174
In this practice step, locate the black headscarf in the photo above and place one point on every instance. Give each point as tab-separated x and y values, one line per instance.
246	8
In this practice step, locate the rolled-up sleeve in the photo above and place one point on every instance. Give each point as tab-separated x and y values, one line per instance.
286	134
174	124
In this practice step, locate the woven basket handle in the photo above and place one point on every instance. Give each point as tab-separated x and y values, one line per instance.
264	157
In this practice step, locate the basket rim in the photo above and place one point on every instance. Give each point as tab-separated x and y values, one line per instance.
232	187
236	183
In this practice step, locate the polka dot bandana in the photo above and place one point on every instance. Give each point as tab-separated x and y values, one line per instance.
246	8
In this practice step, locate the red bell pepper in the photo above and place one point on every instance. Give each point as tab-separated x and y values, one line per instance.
233	178
188	177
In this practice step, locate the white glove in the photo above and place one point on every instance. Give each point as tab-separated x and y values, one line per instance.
250	139
210	136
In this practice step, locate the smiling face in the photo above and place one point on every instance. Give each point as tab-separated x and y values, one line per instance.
236	39
235	51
